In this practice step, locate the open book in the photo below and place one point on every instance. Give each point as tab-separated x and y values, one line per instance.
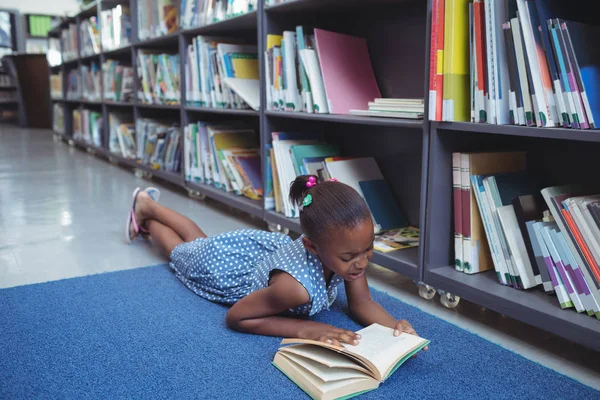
326	371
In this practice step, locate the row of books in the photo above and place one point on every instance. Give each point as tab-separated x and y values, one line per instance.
121	136
226	156
87	126
118	81
8	96
531	236
311	71
149	141
56	83
91	77
292	154
115	27
222	75
523	65
70	43
157	18
58	118
204	12
158	77
89	37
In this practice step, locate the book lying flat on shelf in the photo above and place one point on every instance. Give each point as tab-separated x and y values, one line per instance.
393	108
325	371
397	239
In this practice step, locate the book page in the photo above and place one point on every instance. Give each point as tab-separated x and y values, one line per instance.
379	345
323	372
322	355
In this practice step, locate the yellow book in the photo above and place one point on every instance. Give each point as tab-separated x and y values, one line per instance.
274	40
245	67
456	89
275	182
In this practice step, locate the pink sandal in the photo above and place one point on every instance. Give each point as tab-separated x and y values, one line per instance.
155	195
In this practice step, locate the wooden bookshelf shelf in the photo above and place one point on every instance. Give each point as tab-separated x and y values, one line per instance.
252	207
417	166
90	57
91	102
117	52
531	306
245	22
348	119
586	135
117	104
160	42
224	111
159	106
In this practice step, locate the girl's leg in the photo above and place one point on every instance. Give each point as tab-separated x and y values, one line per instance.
167	228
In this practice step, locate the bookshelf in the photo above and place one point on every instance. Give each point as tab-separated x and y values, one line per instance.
414	155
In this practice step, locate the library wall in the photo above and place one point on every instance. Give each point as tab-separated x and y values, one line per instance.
56	7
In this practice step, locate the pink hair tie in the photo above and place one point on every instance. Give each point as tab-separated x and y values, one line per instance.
312	181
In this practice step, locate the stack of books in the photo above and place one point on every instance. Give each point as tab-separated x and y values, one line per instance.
118	81
70	42
87	126
122	139
89	37
222	75
158	74
531	236
158	144
294	154
394	108
157	18
54	52
90	79
115	27
515	63
308	71
226	156
204	12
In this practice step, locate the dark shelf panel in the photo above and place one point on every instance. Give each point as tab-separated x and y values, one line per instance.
115	52
85	146
532	307
69	62
90	57
404	261
126	161
36	37
10	87
89	10
243	203
91	102
159	106
587	135
272	217
248	21
305	6
118	104
173	177
349	119
73	101
226	111
160	41
55	66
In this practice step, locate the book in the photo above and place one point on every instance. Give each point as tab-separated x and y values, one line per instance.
397	239
326	371
348	75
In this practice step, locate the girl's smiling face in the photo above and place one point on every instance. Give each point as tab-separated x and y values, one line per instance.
345	252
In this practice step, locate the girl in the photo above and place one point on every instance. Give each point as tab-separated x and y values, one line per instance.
267	277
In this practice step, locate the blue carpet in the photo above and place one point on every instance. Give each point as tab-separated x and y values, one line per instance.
142	334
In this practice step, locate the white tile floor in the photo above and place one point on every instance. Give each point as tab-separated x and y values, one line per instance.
62	214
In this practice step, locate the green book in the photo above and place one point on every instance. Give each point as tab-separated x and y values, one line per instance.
327	371
301	152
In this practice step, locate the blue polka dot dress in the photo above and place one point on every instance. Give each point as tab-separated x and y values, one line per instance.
229	266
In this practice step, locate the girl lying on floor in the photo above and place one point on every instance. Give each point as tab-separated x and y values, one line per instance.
267	277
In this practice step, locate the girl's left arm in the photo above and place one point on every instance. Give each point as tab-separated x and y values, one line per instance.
366	311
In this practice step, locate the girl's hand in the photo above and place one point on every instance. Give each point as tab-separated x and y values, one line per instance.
403	326
335	336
